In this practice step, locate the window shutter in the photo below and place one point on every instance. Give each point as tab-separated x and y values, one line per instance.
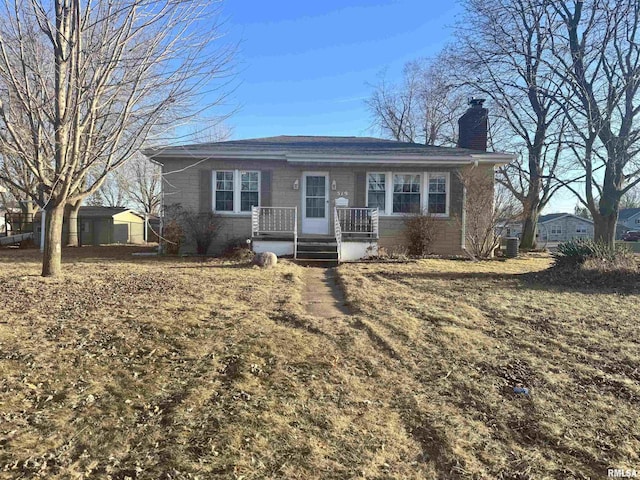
265	188
206	194
360	189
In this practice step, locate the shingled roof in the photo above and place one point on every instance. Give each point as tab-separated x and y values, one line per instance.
627	213
94	212
553	216
287	145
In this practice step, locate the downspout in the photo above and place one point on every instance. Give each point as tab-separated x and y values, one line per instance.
161	224
463	239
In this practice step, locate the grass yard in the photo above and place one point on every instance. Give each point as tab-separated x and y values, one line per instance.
153	368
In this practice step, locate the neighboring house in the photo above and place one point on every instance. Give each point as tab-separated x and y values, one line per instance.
284	192
629	219
553	227
509	229
102	225
560	227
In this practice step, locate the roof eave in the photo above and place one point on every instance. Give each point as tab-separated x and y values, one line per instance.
484	158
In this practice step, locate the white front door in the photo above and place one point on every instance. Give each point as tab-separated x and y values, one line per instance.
315	203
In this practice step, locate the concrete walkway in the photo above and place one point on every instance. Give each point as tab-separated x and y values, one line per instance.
322	296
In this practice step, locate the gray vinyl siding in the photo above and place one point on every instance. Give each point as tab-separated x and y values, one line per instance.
568	229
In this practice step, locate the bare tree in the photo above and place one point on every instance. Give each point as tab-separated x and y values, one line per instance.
216	130
144	185
113	191
21	187
597	62
502	53
631	199
423	108
488	211
85	84
136	185
581	211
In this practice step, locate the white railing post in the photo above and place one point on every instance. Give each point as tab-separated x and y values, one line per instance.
358	221
295	232
255	221
375	222
337	232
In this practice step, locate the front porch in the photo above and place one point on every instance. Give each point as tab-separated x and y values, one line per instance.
353	235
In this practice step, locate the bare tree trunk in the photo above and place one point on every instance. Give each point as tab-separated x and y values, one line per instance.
604	227
529	229
72	239
51	260
86	83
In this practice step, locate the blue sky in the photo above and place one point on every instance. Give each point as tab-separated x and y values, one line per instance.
304	67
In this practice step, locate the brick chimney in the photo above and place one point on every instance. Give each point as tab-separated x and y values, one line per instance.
472	126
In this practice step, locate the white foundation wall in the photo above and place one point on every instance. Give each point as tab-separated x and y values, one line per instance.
279	248
351	251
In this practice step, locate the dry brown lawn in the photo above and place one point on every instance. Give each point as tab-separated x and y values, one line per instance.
153	368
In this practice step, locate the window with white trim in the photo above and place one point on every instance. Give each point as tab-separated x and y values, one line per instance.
556	230
637	221
401	193
406	193
224	191
235	191
249	190
376	191
437	194
581	229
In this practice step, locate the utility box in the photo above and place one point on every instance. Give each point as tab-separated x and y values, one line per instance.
512	247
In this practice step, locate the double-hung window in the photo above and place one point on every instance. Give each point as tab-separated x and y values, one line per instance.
376	191
556	230
437	197
249	190
224	191
406	193
581	229
402	193
235	191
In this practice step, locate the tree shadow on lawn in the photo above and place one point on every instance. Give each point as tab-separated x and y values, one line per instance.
212	262
145	255
545	280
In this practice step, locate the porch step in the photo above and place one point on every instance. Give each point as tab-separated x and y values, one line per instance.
318	239
317	247
318	251
318	255
327	263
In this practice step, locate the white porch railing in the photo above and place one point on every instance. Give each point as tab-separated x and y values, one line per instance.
337	230
275	220
358	222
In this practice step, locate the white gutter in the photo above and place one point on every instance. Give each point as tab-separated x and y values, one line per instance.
489	158
207	154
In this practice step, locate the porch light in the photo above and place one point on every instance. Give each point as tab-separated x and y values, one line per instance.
334	186
296	184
